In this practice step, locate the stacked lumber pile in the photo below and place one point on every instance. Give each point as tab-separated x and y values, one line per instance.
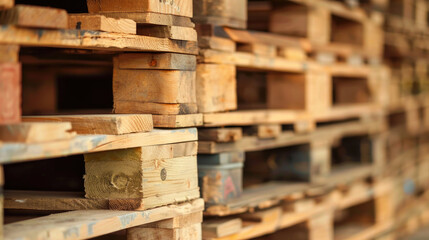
73	157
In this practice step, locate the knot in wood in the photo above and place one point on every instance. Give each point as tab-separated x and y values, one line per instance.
163	174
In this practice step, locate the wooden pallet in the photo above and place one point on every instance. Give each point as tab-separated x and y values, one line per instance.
287	156
167	33
313	215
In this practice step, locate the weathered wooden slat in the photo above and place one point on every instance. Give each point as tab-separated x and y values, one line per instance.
91	223
15	152
85	39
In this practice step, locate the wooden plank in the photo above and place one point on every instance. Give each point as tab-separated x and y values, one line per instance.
92	40
248	36
177	121
189	232
14	152
171	32
131	181
155	108
161	61
220	134
91	223
35	132
253	117
177	222
153	18
288	138
221	158
51	201
101	124
251	61
216	87
10	93
216	228
35	16
101	23
177	7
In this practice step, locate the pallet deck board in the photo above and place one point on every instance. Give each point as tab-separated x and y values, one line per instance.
253	143
84	224
95	40
16	152
101	123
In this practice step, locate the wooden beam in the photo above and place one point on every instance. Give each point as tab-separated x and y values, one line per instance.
35	16
177	121
132	181
161	61
92	40
101	23
89	223
15	152
177	7
35	132
101	124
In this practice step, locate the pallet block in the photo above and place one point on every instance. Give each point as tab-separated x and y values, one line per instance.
216	87
181	227
137	87
138	179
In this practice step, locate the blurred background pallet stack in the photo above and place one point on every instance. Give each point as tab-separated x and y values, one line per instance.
214	119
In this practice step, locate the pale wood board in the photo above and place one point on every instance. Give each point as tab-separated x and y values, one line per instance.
36	132
91	223
178	121
254	117
92	40
252	61
101	23
15	152
252	143
177	7
35	16
101	124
